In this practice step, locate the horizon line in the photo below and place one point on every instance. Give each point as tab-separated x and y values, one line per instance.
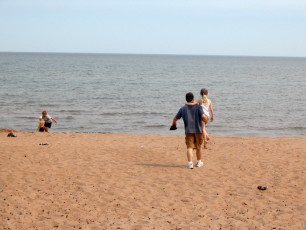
152	54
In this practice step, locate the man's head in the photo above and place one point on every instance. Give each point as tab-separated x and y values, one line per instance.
189	97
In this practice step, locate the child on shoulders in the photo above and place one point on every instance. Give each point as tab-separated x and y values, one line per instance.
207	107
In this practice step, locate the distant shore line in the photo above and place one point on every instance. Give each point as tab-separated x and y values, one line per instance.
150	54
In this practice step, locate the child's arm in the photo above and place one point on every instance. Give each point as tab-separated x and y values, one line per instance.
53	119
211	111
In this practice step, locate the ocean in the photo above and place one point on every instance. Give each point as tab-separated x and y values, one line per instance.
140	94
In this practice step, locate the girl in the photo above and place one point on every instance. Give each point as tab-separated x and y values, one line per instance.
208	111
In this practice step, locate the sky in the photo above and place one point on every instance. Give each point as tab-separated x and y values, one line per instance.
188	27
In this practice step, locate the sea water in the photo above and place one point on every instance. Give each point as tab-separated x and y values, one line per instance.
252	96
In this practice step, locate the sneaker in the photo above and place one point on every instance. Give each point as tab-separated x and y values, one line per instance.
199	164
190	165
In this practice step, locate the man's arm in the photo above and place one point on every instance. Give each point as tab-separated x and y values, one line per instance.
174	121
194	103
175	118
173	126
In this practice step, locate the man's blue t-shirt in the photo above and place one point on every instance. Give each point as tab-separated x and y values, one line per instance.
192	117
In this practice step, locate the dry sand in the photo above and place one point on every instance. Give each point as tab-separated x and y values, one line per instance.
121	181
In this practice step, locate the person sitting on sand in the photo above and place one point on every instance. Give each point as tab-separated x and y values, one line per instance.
48	120
41	125
192	116
207	107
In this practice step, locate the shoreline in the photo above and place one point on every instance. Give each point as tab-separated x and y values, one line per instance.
136	181
7	130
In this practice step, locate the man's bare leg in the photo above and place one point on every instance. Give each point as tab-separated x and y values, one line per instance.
189	154
199	154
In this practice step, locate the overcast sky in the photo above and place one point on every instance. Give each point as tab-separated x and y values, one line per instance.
200	27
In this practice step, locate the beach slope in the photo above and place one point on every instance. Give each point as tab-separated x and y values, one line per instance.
124	181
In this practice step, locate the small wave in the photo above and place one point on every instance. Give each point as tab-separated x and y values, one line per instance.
109	114
105	123
127	113
31	102
137	122
71	110
48	106
155	126
25	118
297	128
288	128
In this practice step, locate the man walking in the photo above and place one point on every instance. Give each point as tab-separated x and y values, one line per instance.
192	117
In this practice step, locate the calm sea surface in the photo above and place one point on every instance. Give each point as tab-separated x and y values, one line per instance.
257	96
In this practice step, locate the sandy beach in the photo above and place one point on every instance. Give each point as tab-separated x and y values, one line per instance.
123	181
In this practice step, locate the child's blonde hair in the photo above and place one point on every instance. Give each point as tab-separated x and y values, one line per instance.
204	93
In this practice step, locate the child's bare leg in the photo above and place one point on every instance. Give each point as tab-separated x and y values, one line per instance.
204	135
203	130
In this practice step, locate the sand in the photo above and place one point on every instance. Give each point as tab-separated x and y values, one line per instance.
123	181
